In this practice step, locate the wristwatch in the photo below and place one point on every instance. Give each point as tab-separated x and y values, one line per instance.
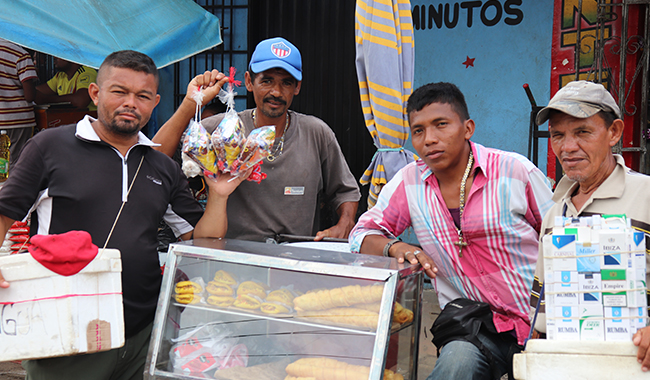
388	245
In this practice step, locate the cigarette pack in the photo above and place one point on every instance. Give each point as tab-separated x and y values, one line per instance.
565	287
613	244
590	288
592	323
567	323
617	324
615	287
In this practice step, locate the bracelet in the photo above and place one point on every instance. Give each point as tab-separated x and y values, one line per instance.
388	245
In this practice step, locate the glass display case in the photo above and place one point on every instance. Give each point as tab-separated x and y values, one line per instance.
232	309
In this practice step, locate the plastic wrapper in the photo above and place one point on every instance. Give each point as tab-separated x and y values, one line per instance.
198	147
227	149
257	147
206	348
227	141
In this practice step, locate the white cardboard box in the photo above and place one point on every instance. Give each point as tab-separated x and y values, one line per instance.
44	314
546	359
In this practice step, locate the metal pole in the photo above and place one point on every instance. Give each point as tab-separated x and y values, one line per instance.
621	75
578	32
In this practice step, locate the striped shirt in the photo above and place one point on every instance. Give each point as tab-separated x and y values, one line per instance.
501	223
16	66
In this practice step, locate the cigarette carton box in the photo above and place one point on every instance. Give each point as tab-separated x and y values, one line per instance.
590	288
637	248
615	287
617	324
46	315
636	293
567	323
565	288
563	253
641	318
612	245
588	257
592	323
582	233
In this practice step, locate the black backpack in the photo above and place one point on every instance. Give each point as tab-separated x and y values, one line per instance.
463	319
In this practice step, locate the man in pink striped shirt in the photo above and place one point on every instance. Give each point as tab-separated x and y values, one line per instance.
476	212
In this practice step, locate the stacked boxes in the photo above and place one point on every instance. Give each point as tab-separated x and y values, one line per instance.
595	280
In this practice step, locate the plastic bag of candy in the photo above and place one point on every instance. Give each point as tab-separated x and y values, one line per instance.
228	138
257	147
197	144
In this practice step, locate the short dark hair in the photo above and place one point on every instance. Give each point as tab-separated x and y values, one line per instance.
441	92
129	59
608	117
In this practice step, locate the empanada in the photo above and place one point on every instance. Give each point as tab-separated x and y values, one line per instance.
191	287
251	288
221	301
219	289
245	301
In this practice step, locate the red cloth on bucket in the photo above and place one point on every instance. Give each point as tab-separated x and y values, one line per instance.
66	253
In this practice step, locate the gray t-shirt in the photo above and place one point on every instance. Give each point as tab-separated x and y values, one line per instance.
287	200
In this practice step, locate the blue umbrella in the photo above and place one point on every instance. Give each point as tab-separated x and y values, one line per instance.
86	31
385	62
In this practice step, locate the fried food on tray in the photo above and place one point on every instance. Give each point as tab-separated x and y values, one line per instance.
274	308
400	314
187	298
225	278
219	289
185	287
245	301
281	295
344	315
251	288
331	369
221	301
338	297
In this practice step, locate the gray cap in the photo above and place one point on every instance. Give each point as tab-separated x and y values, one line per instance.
580	99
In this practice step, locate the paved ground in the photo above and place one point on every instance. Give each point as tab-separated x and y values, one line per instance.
11	371
426	361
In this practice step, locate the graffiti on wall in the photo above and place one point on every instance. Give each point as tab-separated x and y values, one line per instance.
591	37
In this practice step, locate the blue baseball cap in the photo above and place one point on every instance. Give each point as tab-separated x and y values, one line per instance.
277	53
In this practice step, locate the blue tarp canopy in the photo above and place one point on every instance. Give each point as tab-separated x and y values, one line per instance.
86	31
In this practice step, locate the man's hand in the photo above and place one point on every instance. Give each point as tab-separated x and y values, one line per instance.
341	231
226	183
346	212
169	135
214	222
642	340
403	251
3	283
210	84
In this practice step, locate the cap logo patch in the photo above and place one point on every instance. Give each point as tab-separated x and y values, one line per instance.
280	50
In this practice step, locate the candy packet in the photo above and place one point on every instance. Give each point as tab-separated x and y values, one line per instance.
197	144
257	147
228	138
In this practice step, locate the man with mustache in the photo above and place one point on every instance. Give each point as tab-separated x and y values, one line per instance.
477	213
584	124
103	173
306	162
